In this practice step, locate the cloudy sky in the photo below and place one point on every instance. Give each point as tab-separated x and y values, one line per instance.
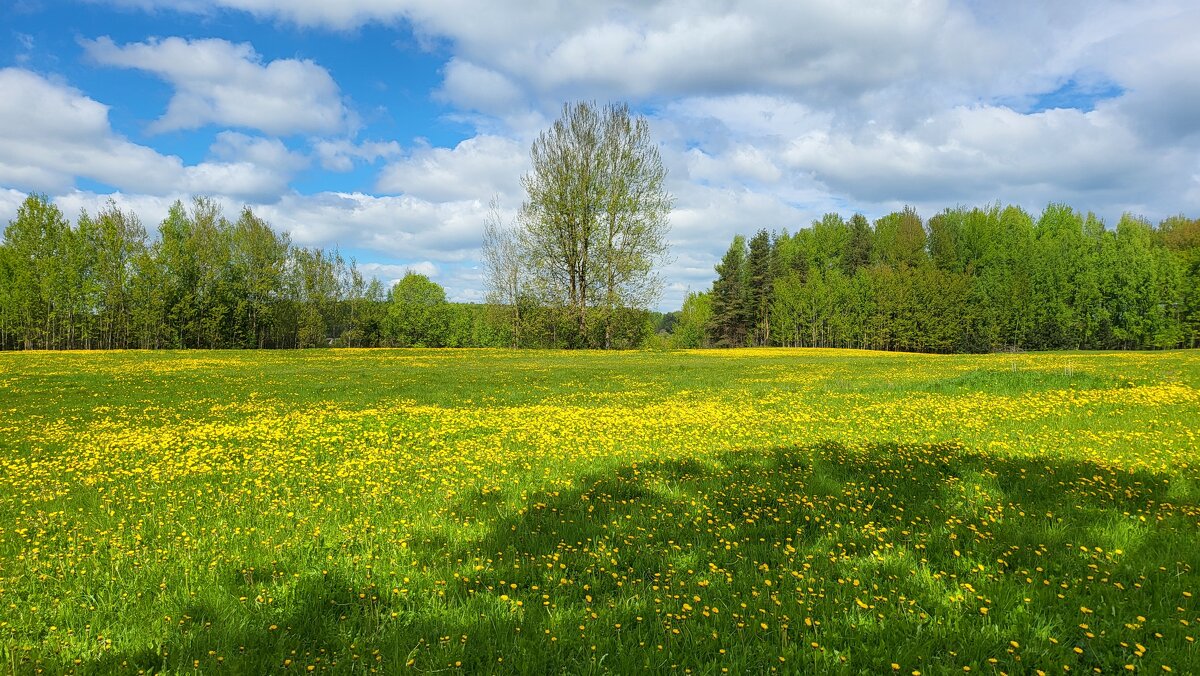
383	127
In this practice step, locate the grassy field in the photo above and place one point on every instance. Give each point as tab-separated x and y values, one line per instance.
494	511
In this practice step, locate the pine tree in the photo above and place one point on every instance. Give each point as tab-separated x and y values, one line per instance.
759	288
730	318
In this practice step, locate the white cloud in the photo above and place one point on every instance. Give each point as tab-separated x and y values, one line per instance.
51	134
10	201
265	152
219	82
396	227
477	88
341	154
151	209
1156	61
981	153
809	48
743	163
248	166
390	273
476	168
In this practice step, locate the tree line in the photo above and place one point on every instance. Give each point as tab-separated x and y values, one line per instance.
207	282
203	282
968	280
579	268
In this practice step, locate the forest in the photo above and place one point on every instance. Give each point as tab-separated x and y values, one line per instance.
967	280
206	282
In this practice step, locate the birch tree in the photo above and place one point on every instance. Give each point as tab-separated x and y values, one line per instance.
594	224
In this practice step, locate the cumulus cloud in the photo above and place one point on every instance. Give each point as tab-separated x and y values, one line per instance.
10	201
1155	60
248	166
265	152
977	153
219	82
390	273
51	134
341	154
401	226
477	88
151	209
476	168
812	48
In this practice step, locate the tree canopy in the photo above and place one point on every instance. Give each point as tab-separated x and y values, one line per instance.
592	230
969	279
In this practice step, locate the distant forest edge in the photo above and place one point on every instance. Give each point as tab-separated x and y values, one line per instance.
207	282
968	280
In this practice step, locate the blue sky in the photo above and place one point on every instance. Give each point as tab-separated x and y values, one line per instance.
383	127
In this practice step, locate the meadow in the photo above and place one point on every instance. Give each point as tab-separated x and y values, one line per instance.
480	511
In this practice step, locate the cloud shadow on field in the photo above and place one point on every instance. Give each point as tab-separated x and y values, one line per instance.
877	554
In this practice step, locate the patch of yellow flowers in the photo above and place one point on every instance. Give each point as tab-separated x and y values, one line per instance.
106	496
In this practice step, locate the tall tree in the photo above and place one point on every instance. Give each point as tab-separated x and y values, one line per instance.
149	298
759	287
595	221
7	299
900	238
944	233
634	225
314	285
829	239
730	311
418	315
258	261
505	272
180	275
691	328
1181	236
120	239
36	240
858	248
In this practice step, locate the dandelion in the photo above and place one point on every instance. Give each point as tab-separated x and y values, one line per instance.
600	498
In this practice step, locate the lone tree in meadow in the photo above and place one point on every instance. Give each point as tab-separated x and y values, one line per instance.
594	225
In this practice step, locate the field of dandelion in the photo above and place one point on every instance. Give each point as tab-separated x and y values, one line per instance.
495	511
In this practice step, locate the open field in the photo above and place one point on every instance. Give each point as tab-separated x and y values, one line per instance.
351	511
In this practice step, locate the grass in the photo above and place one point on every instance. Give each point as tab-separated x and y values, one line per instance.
498	511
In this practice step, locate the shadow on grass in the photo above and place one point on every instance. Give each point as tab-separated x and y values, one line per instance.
817	558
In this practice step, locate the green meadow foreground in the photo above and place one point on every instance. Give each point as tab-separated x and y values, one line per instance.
497	511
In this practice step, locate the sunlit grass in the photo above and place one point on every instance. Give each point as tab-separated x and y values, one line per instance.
589	512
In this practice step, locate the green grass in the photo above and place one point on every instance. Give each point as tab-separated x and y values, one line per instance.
538	512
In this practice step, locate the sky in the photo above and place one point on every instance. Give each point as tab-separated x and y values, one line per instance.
385	127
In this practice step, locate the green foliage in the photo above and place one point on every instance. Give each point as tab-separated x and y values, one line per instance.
593	229
39	246
900	239
691	329
732	317
417	314
205	282
972	280
858	249
579	268
758	287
